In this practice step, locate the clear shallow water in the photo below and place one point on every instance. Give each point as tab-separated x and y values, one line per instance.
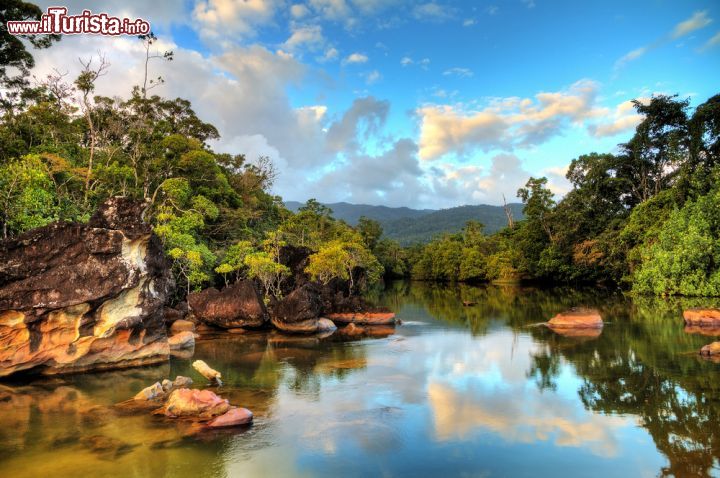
456	391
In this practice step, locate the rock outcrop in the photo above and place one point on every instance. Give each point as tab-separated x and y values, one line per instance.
701	317
238	305
299	311
578	318
76	297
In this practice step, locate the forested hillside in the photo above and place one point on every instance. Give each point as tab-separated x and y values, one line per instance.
418	226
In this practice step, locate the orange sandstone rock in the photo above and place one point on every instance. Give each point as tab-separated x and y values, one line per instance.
577	318
702	317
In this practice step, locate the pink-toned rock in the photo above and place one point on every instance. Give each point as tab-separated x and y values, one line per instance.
234	417
702	317
182	326
578	318
363	318
203	404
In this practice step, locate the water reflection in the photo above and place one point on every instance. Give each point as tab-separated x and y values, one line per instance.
457	390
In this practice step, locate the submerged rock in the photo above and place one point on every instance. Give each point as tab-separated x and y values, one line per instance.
578	318
203	404
207	372
711	350
702	317
239	305
77	297
234	417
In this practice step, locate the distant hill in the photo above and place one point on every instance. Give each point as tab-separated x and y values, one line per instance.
409	226
422	229
351	213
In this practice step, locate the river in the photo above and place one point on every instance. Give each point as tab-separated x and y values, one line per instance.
454	391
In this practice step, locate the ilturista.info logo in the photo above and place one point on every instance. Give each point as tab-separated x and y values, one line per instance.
57	21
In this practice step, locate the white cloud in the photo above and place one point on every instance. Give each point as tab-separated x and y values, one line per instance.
505	123
459	72
433	12
299	11
331	54
624	119
714	41
697	21
468	22
309	36
372	77
406	61
355	58
224	18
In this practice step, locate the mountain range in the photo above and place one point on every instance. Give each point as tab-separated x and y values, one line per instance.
410	226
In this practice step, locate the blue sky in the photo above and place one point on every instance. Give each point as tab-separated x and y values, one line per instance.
420	104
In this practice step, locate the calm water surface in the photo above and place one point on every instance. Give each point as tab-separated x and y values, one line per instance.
455	391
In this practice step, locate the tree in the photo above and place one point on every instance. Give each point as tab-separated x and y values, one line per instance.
13	52
271	274
538	200
339	259
370	231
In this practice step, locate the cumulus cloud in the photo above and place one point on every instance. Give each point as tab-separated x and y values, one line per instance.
363	119
299	11
505	123
432	11
355	58
623	119
220	18
308	36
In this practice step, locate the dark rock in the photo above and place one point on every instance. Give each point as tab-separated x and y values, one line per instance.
239	305
299	311
76	297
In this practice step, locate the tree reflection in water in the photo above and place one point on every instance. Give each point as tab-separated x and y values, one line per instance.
643	363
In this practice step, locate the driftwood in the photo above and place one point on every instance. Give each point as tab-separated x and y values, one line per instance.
207	372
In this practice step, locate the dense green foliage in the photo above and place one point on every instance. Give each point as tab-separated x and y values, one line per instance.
64	150
647	218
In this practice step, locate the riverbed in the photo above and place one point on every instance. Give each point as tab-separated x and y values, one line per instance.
456	390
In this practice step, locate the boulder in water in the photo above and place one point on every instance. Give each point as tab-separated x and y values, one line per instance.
578	318
238	305
702	317
234	417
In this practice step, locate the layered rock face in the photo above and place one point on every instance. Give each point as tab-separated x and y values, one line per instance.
76	297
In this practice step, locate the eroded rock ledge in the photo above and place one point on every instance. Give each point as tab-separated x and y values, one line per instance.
77	297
